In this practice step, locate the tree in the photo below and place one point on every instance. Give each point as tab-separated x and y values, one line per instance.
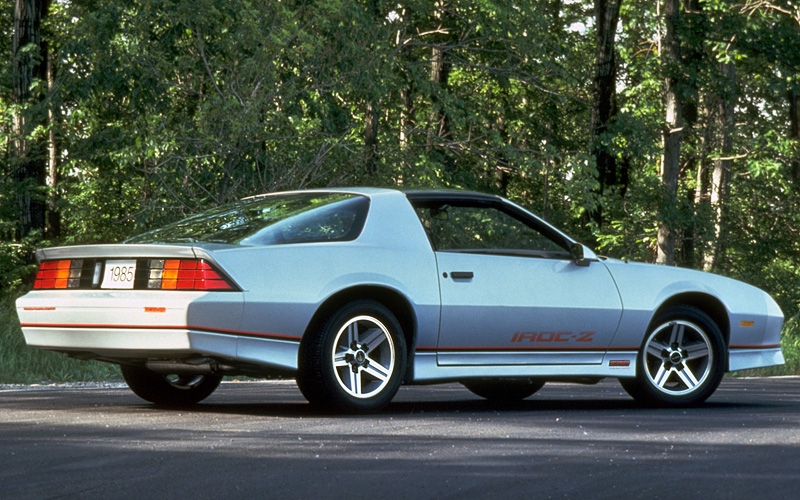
604	99
723	166
672	133
28	151
165	107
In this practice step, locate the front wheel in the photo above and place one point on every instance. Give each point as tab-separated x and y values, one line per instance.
169	390
356	361
681	361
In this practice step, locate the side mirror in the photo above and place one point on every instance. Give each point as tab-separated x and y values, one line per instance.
576	250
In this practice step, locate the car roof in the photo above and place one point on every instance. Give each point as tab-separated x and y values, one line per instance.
414	194
417	194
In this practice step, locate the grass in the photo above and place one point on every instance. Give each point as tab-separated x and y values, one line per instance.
20	364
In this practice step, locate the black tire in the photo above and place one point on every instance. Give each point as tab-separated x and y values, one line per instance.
169	390
503	390
356	361
681	361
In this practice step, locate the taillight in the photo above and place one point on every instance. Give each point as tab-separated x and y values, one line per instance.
185	274
59	274
143	273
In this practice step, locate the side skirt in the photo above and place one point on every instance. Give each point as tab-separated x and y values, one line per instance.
426	369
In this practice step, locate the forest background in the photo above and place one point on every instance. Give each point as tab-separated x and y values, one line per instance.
663	131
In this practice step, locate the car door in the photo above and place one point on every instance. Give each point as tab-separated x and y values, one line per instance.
512	294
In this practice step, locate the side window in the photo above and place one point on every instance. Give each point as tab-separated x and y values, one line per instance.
479	228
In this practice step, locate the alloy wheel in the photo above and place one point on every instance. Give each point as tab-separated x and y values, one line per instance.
678	357
363	356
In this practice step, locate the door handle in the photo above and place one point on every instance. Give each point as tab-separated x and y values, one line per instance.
461	275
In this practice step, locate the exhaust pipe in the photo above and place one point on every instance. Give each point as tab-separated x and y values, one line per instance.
195	367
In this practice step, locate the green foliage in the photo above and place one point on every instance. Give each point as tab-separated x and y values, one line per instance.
175	106
14	267
169	107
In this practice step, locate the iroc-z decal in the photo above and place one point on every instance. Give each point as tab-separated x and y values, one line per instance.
552	337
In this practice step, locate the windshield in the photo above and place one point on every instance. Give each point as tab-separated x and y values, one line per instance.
270	220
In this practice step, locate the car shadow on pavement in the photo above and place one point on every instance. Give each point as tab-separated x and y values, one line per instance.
469	406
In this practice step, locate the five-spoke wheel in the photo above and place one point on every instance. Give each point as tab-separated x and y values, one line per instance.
363	356
678	357
356	361
681	360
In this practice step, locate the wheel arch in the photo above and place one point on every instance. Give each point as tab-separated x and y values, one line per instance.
395	301
707	303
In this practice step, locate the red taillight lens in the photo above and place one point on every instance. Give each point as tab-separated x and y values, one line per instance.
161	274
185	274
59	274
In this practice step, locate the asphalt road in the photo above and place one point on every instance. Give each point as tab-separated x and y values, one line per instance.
261	440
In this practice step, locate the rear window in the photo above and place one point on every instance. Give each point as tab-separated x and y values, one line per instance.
270	220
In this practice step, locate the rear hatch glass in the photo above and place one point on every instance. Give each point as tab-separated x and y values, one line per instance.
270	220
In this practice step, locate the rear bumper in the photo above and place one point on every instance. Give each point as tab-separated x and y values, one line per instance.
121	325
114	342
121	343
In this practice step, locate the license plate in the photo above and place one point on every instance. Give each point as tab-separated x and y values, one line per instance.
119	274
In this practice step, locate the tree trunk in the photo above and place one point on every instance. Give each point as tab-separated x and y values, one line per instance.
406	114
721	177
440	76
371	117
604	97
53	218
501	172
551	111
439	131
703	180
371	138
694	59
29	157
672	136
794	129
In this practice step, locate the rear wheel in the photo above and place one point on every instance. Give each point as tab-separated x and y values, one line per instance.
681	361
503	390
356	361
169	390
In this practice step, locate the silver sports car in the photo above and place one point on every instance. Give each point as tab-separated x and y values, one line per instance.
354	292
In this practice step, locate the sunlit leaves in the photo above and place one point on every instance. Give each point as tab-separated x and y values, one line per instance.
169	107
